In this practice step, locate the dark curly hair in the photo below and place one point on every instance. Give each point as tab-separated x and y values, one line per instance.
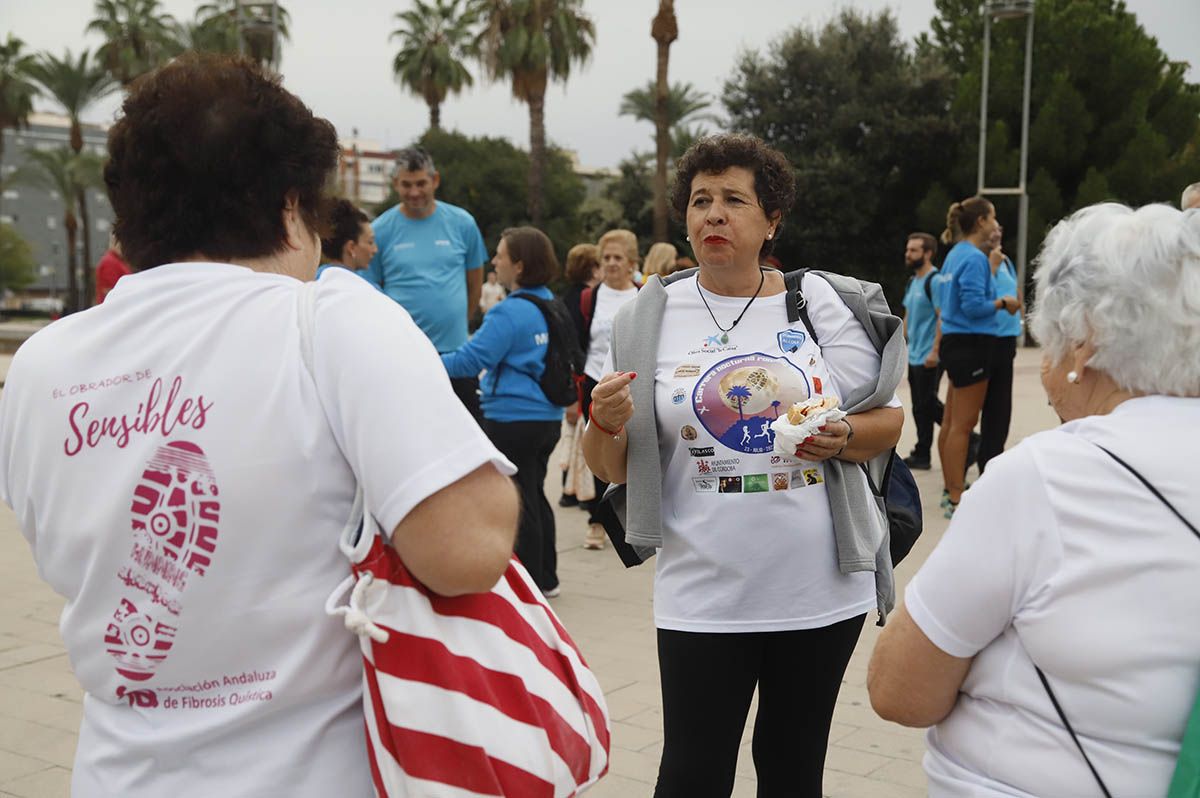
345	225
204	156
774	180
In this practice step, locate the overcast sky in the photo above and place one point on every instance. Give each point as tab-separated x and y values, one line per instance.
339	61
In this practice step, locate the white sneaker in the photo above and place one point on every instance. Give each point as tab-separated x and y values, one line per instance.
553	592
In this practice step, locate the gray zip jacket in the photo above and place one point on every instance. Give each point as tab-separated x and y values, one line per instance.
859	518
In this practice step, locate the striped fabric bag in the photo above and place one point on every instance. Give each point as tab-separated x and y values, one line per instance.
478	695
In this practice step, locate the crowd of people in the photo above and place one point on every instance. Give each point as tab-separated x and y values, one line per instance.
183	458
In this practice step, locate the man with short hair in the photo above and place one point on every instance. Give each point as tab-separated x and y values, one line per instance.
430	260
1191	197
920	323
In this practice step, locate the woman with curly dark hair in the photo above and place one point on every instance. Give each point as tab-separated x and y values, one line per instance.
754	588
183	457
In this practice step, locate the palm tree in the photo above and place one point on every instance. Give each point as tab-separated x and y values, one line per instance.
137	36
66	173
664	30
532	42
17	90
203	36
220	20
685	103
75	84
434	40
739	394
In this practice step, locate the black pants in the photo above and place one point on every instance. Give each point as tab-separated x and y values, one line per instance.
601	485
708	681
528	445
997	404
467	391
927	409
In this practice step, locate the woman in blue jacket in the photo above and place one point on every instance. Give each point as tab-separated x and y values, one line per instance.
968	318
511	346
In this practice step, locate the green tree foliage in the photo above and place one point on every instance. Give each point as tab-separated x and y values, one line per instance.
435	41
1111	117
633	192
487	176
137	36
531	42
216	29
685	103
17	89
864	122
16	259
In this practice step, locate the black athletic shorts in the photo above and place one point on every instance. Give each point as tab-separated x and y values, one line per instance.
966	357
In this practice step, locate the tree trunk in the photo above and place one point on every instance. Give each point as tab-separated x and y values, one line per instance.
435	116
663	30
537	154
89	288
71	226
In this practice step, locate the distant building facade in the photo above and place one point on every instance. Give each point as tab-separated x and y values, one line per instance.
37	213
364	172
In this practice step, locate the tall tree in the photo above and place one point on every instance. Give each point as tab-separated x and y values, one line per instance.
16	259
865	125
435	40
664	30
75	83
1111	116
66	173
17	89
532	42
137	36
685	103
220	27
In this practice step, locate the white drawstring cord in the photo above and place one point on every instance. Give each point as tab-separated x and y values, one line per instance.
356	619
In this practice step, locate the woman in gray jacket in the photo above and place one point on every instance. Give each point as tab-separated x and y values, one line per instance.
756	586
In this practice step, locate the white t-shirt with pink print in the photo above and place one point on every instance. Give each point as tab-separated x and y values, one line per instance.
182	479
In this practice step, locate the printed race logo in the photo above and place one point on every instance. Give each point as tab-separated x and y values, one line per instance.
739	397
790	340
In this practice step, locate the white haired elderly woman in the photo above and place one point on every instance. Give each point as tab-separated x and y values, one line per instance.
1061	557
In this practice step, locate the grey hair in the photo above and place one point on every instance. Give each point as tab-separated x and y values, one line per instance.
413	159
1128	282
1190	197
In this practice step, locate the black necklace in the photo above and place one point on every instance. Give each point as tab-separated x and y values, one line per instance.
762	278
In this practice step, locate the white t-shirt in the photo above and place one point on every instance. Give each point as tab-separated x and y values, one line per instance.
608	302
1061	555
748	543
182	480
490	295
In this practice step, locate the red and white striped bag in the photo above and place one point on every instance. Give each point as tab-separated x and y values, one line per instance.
478	695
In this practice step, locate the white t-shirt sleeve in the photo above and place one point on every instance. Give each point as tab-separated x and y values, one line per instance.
390	405
1001	546
849	354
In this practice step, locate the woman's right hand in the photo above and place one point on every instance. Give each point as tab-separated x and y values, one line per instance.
612	402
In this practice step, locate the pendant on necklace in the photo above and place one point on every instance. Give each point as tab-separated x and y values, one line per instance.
724	338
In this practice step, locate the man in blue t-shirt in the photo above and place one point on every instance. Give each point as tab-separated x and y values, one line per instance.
430	260
920	326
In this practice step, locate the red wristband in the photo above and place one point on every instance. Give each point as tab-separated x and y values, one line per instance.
600	426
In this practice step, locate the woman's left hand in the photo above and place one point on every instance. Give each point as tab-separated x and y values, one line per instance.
827	443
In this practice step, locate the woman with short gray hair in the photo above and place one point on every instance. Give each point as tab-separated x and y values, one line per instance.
1050	640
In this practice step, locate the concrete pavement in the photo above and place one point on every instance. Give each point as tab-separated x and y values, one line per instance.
606	607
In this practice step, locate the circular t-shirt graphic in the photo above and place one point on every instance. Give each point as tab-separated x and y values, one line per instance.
737	399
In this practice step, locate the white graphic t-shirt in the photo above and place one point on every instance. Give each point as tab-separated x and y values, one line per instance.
182	480
748	542
608	302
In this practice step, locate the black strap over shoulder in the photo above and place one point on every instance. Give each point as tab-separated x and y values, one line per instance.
797	305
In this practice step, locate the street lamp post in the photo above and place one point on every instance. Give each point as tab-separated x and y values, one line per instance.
259	19
1000	10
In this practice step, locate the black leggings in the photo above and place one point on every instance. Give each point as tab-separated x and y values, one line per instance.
708	681
997	404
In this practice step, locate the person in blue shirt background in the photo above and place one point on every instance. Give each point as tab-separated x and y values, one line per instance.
997	404
968	318
511	346
920	323
351	242
430	260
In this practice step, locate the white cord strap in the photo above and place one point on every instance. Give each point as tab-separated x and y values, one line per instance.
353	614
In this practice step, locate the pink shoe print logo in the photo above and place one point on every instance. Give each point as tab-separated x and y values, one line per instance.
176	503
137	641
174	516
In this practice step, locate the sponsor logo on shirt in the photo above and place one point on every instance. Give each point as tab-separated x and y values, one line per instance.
755	483
442	242
705	484
678	396
726	465
541	339
701	451
713	344
790	340
730	485
403	245
782	459
780	481
739	397
687	432
687	370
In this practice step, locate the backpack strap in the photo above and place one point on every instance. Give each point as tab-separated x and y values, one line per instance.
929	286
797	305
587	305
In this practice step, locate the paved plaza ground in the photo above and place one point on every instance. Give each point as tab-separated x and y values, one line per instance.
606	608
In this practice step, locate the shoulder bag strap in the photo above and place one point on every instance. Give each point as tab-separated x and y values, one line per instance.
797	305
1046	684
